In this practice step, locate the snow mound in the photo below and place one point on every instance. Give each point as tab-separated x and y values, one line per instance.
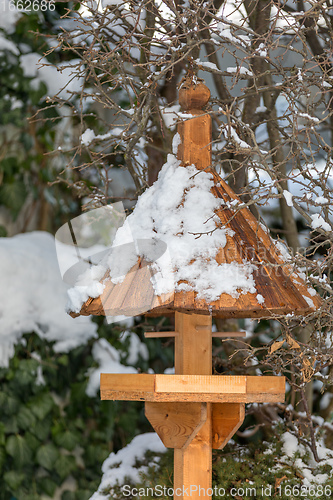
121	465
33	296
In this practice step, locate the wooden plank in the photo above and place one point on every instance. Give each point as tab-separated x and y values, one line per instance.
219	335
127	386
265	385
226	420
194	388
176	423
195	146
184	301
227	335
193	465
161	302
157	335
200	384
193	350
174	397
140	295
94	306
113	303
222	334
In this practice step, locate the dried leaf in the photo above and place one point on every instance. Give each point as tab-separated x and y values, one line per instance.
292	343
274	347
307	369
278	481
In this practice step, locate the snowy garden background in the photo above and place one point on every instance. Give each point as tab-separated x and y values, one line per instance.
88	110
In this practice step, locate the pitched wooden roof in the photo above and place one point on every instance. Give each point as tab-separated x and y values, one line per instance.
284	290
279	288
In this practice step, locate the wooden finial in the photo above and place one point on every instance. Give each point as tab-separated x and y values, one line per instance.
195	133
193	94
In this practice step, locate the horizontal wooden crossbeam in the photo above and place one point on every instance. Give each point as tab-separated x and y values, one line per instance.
154	335
196	388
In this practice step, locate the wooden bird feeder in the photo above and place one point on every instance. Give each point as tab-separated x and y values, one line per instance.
194	411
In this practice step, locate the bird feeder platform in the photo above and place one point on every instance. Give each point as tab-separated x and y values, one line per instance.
192	388
193	411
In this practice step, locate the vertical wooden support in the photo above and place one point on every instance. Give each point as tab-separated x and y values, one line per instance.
193	342
195	133
193	356
193	347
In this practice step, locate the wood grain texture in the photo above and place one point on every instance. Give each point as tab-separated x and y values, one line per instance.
193	358
192	388
193	465
135	295
176	423
195	147
227	335
218	335
226	420
193	349
200	384
140	294
158	335
113	303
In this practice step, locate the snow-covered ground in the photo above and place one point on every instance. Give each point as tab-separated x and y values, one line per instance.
120	466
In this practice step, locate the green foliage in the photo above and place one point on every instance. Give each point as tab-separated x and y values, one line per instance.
259	470
29	124
53	432
50	433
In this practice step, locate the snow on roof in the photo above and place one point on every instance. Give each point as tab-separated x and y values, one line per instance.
33	296
179	210
215	250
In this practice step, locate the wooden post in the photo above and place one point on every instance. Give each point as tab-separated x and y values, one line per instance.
193	342
193	356
193	346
